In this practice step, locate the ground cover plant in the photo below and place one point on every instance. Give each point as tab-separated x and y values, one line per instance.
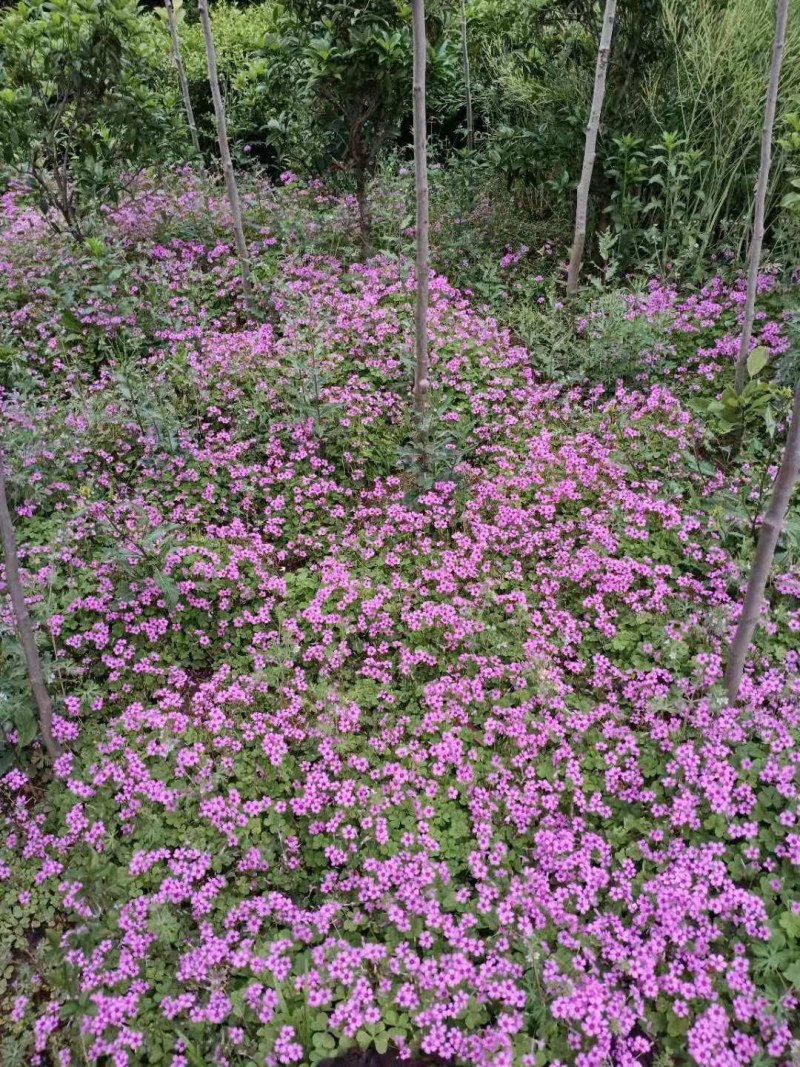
350	763
399	624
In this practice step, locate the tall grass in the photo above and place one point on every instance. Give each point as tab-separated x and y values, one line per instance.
714	93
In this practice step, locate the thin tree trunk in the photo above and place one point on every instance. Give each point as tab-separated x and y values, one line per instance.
364	216
781	18
23	620
590	148
765	550
225	153
467	78
422	372
181	70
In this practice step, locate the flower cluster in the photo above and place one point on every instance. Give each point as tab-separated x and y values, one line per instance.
447	772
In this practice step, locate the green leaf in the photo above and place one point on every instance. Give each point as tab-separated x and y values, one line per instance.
792	974
757	360
324	1041
169	589
71	322
770	422
677	1026
790	922
26	723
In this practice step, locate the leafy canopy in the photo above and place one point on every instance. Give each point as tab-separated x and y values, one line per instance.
81	100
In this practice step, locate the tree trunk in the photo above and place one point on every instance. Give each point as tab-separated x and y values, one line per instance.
361	164
23	620
181	70
754	259
467	78
422	372
765	550
590	148
225	153
364	219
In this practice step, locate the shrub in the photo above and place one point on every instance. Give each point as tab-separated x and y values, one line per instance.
268	109
81	101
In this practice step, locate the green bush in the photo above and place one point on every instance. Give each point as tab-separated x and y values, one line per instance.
266	109
82	100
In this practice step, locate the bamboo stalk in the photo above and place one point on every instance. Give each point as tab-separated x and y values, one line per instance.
467	78
422	373
225	153
22	618
181	71
771	527
754	256
590	148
